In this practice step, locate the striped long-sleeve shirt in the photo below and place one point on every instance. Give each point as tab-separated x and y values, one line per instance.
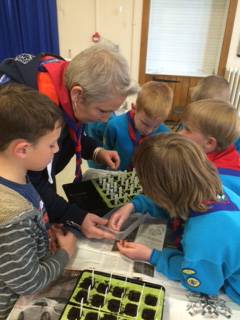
26	265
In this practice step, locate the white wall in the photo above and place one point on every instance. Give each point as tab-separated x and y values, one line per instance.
233	60
116	20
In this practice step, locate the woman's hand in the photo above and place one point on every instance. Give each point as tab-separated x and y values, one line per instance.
90	227
135	251
108	157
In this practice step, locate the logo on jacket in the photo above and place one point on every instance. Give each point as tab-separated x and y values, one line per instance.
193	282
24	58
188	271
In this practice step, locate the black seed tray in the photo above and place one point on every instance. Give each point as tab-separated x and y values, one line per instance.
91	196
101	296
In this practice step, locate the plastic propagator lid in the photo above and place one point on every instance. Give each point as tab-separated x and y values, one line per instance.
133	221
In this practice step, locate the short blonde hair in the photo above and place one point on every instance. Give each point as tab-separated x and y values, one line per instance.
176	174
211	87
214	118
102	72
155	99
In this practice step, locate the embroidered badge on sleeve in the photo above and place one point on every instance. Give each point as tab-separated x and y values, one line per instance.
188	271
193	282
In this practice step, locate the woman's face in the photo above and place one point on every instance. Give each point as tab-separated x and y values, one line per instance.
97	111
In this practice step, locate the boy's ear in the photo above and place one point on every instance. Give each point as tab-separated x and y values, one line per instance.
194	93
76	94
20	148
134	107
211	145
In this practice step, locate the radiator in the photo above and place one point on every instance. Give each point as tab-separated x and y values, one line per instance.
233	77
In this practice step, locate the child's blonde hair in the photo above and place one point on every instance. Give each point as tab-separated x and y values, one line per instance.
176	174
211	87
213	118
155	99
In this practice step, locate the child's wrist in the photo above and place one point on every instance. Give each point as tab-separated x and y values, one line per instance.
129	206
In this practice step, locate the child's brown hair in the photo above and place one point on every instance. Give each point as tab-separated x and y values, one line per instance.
155	99
211	87
25	114
213	118
176	174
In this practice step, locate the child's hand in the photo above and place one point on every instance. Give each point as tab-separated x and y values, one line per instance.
52	239
66	241
118	218
135	251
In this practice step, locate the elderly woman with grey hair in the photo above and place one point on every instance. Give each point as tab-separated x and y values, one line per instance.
88	88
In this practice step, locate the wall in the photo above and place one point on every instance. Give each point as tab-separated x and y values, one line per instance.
233	60
116	20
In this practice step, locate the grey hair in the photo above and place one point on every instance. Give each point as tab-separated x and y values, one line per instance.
102	72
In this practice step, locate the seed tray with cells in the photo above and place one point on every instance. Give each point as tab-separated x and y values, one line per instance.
104	193
118	189
102	296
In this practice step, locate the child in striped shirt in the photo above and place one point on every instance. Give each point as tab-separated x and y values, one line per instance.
30	126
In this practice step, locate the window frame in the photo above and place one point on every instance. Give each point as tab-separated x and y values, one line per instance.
143	77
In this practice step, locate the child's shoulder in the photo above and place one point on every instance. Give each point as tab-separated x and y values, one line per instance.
235	198
118	119
163	128
237	145
12	204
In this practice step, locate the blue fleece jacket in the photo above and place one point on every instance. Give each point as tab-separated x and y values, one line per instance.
237	144
117	138
211	245
96	131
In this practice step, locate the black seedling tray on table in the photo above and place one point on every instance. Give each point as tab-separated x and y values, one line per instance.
90	195
102	296
86	196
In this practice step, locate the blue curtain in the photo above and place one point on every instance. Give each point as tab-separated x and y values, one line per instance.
28	26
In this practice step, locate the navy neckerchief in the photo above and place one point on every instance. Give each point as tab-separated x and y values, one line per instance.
223	204
134	135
